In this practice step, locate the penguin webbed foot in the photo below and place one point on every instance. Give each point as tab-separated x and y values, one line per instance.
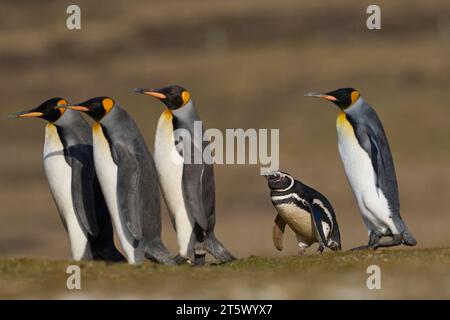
161	258
396	241
180	260
363	247
217	250
374	239
320	250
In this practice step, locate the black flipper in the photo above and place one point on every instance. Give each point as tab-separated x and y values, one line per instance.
128	176
193	193
83	176
316	213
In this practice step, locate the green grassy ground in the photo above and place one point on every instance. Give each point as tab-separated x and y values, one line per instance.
415	273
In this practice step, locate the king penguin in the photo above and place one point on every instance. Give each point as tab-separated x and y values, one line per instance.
128	178
305	210
369	167
69	166
188	186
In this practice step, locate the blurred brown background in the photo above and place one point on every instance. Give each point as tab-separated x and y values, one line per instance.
248	65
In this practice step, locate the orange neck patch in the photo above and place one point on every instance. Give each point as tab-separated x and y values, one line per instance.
96	126
343	124
167	115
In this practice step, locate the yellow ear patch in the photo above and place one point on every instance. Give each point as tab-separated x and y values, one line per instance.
62	102
108	104
186	97
355	95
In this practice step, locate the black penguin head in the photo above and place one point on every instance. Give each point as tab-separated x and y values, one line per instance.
278	180
96	108
343	98
174	97
50	110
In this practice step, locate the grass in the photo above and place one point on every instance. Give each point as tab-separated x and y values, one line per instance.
330	276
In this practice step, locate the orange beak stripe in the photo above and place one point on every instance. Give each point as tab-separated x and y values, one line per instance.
155	94
326	97
78	108
31	115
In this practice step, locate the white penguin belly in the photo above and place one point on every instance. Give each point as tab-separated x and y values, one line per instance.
106	171
358	167
169	165
300	221
59	176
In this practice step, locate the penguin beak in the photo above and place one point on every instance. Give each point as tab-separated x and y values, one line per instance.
26	114
267	175
321	95
151	92
74	107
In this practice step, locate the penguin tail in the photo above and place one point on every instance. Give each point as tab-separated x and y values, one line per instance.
217	250
408	239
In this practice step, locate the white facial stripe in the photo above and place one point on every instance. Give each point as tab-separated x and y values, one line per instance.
320	204
288	196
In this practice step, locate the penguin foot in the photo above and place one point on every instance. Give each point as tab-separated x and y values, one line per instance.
161	258
374	238
179	260
199	260
364	247
320	250
217	250
156	252
302	248
396	241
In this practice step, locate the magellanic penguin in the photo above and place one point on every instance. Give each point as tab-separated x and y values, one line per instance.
128	178
369	167
188	187
69	166
305	210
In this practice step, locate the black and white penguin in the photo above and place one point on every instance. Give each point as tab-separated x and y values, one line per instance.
69	166
128	178
188	187
369	167
306	211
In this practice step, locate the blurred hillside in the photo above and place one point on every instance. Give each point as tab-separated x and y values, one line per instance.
248	65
